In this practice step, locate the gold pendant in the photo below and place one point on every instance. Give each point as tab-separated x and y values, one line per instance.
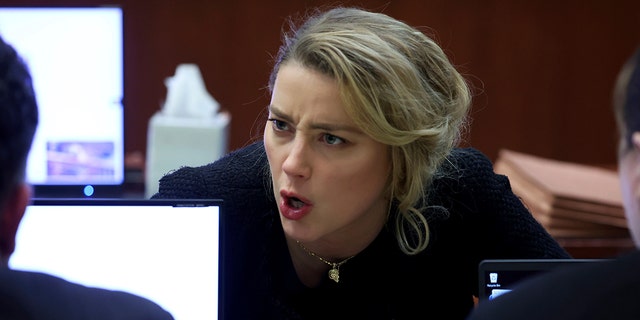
334	274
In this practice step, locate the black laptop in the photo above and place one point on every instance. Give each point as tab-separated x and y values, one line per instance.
497	277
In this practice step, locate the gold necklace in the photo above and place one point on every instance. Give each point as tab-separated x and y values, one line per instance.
334	272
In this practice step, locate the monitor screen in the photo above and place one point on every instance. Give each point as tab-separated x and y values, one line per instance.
500	276
164	250
75	56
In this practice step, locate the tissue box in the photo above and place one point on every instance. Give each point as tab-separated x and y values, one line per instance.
176	142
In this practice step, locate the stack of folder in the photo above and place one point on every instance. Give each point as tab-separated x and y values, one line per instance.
570	200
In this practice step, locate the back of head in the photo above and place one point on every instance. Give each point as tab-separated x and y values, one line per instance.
18	119
397	85
626	104
626	101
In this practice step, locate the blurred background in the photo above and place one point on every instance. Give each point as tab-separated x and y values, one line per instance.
542	71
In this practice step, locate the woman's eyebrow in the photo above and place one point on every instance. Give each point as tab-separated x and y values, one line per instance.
334	127
325	126
275	111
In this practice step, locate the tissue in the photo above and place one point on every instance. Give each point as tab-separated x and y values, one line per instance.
189	129
187	95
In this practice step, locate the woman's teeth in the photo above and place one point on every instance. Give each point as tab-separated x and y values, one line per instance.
297	204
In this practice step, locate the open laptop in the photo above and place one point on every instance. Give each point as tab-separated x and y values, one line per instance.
165	250
76	58
497	276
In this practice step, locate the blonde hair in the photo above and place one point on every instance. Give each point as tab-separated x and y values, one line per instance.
399	87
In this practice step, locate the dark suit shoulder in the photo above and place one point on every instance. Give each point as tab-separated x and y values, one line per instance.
34	295
601	290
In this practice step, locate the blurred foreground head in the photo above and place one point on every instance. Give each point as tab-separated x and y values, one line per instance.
626	103
18	122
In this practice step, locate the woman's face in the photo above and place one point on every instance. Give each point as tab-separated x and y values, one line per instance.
629	171
329	177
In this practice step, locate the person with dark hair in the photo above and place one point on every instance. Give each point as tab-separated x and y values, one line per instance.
356	203
602	290
35	295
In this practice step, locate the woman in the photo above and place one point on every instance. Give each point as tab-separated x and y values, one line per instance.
357	203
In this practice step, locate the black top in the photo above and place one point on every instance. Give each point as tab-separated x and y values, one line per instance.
37	296
484	220
603	290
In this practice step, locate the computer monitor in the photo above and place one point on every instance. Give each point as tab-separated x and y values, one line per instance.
500	276
168	251
75	55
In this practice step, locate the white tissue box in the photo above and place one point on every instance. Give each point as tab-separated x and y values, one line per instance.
176	142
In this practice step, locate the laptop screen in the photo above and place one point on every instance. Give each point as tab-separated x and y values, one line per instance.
164	250
75	55
497	277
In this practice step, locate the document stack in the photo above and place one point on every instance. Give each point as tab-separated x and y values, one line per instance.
570	200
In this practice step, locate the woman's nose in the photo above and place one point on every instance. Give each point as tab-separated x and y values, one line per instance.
296	162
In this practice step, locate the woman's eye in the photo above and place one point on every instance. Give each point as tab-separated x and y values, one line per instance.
279	124
332	140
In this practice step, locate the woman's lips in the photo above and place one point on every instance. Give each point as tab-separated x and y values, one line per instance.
293	207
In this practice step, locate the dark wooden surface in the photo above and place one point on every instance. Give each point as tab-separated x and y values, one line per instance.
597	248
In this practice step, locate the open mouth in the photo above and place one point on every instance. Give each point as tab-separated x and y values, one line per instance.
295	203
294	207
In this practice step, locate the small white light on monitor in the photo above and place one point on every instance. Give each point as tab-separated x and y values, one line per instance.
88	190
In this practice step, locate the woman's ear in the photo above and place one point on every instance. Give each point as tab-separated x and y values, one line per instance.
10	218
